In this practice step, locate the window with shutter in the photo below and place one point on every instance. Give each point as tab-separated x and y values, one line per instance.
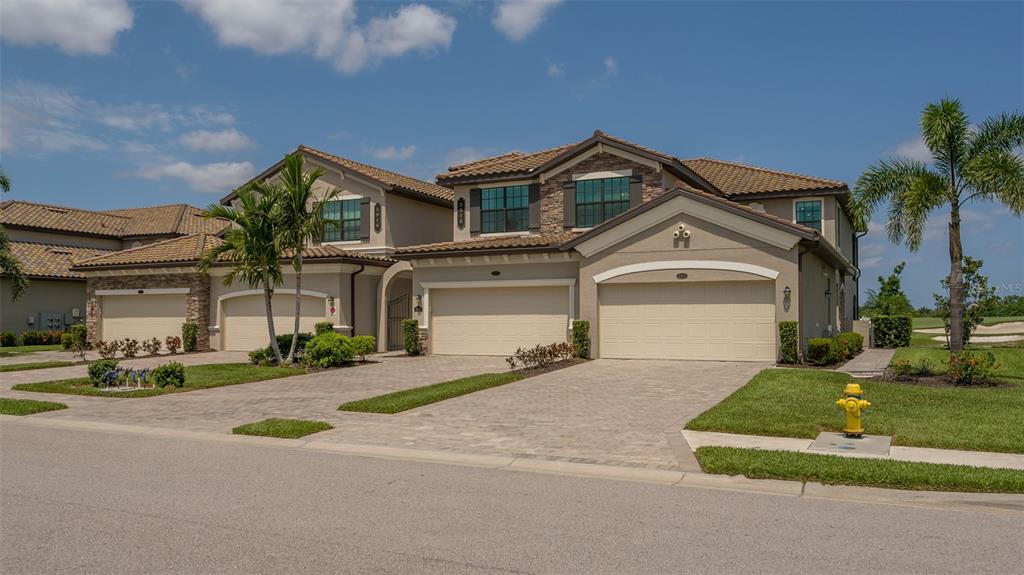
345	216
600	200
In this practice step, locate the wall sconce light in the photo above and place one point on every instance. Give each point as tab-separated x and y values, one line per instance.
787	292
461	212
419	304
785	297
376	217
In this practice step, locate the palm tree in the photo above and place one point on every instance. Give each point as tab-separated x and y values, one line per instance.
300	222
9	265
967	164
249	246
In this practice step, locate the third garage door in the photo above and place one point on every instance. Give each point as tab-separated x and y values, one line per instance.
496	321
707	320
245	319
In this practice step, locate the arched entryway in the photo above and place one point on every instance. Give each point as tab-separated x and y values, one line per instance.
396	303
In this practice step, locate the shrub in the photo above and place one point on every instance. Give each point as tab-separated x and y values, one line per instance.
8	339
411	337
99	368
540	355
819	351
364	345
41	337
284	343
108	349
968	368
328	350
581	337
257	356
152	346
173	343
67	341
846	345
169	374
81	335
323	327
891	330
189	335
789	341
903	369
129	347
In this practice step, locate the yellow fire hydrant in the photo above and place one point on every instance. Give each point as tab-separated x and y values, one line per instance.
853	403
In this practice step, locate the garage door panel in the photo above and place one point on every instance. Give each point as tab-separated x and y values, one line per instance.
142	316
708	320
245	319
496	321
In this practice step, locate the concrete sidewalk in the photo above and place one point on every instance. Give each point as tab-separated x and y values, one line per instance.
897	453
872	362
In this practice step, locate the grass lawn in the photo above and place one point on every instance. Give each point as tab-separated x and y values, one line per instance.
38	365
27	406
418	396
836	470
196	377
286	428
927	322
801	403
24	349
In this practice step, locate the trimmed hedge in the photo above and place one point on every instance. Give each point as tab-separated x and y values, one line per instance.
846	345
8	339
41	337
789	341
364	345
581	337
99	368
323	327
411	337
169	374
819	351
328	350
189	335
892	330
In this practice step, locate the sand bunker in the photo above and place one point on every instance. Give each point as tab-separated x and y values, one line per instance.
997	329
985	338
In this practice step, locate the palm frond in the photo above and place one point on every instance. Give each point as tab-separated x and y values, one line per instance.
1002	132
946	131
997	175
886	181
5	183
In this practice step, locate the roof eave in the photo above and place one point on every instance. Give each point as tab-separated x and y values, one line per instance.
480	251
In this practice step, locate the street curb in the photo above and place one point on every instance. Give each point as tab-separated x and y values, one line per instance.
983	502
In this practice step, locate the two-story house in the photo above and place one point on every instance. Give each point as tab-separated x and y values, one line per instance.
666	258
376	212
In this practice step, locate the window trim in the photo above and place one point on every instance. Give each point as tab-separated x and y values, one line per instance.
341	221
505	210
602	202
821	211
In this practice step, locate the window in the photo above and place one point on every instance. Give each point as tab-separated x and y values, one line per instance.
505	209
346	215
600	200
809	214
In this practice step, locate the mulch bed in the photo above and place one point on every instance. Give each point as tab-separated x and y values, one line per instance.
939	381
533	371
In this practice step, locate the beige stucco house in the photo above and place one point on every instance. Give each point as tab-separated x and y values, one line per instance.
666	258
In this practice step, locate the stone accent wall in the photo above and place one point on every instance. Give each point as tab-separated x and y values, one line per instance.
197	302
552	217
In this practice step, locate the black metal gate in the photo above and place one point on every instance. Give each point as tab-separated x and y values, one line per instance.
399	310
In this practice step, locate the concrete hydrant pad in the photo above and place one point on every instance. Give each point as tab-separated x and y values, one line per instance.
839	443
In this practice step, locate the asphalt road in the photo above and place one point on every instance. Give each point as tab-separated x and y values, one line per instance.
99	502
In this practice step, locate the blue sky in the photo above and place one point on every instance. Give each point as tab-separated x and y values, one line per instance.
120	104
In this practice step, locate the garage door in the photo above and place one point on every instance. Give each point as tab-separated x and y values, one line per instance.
142	316
245	319
495	321
707	320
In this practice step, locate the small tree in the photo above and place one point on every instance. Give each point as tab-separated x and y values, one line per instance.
10	267
979	299
889	299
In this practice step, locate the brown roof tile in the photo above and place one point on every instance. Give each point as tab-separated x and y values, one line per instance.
174	219
492	243
386	177
738	179
51	260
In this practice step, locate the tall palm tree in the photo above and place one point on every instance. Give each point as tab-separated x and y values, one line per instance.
249	246
301	222
980	163
9	265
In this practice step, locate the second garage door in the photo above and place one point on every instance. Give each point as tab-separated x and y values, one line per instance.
142	316
496	321
707	320
245	319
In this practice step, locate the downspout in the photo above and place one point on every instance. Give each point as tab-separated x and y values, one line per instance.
352	296
800	294
856	264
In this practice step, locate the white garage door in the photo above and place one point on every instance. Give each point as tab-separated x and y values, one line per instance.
707	320
142	316
245	319
495	321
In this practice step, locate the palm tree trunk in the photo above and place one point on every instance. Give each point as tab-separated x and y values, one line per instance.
297	264
956	281
268	296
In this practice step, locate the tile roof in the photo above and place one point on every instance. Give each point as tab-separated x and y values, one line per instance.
492	243
51	260
510	163
738	179
386	177
188	249
174	219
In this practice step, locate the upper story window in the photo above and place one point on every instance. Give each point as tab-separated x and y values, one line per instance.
808	213
600	200
346	216
505	209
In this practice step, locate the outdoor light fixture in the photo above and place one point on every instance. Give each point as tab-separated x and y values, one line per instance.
461	211
785	299
419	304
786	292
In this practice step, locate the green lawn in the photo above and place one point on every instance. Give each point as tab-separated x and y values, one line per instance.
196	377
418	396
833	470
24	349
37	365
286	428
27	406
927	322
801	403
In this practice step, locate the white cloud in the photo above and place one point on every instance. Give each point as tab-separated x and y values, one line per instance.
74	26
220	141
219	177
517	19
556	70
611	67
393	153
327	30
914	149
464	155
